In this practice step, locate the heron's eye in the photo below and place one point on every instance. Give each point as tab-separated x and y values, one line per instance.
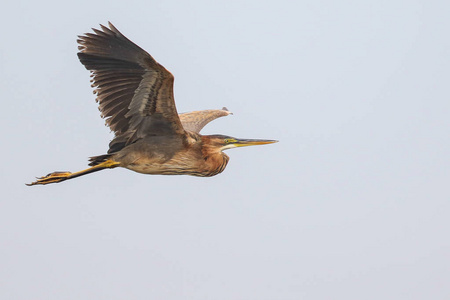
227	141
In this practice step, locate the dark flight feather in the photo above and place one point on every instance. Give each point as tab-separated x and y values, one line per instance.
134	92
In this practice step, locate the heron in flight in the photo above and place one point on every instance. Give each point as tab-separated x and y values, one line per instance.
135	96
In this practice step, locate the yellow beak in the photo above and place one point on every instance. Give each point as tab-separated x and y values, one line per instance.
252	142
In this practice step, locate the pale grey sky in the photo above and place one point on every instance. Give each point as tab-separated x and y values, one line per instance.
353	203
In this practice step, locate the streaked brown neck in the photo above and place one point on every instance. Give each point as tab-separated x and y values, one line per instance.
214	158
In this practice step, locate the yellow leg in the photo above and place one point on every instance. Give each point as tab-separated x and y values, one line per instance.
61	176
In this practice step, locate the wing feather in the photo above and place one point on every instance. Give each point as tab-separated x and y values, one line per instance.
134	92
196	120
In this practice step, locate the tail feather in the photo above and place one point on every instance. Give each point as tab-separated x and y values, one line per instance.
96	160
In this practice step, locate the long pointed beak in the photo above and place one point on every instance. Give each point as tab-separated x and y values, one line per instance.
252	142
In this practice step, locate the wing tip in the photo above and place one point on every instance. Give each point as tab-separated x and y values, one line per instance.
226	109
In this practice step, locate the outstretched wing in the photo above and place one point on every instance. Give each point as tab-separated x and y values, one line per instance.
196	120
134	92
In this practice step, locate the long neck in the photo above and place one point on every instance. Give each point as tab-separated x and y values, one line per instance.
218	162
215	159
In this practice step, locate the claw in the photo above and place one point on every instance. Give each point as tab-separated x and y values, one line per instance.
51	178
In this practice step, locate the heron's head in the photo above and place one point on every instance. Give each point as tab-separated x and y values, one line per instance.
224	142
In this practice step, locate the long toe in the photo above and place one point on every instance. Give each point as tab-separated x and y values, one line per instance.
51	178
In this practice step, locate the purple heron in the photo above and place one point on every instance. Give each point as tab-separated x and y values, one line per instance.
135	96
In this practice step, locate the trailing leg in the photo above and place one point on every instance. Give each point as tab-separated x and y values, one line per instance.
62	176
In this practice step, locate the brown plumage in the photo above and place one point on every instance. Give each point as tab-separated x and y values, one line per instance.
135	96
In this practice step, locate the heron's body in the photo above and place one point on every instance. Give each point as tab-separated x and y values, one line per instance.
135	95
172	156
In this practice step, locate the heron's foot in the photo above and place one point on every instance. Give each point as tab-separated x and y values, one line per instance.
51	178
